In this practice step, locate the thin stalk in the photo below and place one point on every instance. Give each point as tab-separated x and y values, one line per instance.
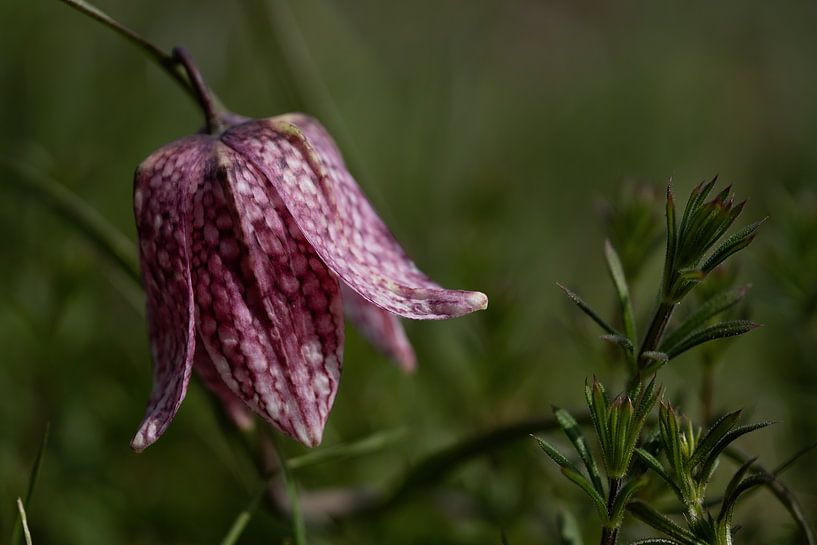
24	520
654	333
707	389
243	518
164	60
298	526
213	111
609	535
433	468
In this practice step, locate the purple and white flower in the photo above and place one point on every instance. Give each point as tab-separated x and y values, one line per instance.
251	243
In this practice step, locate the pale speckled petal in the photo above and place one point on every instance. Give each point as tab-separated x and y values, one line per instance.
303	164
380	327
163	189
270	313
237	411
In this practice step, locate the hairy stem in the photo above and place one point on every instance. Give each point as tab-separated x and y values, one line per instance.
656	330
609	535
652	338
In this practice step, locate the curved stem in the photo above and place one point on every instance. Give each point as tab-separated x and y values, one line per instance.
212	110
780	491
435	466
165	61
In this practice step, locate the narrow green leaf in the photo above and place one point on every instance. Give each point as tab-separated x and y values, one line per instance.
712	456
243	518
656	541
622	438
98	230
714	434
722	330
701	227
646	402
657	360
724	216
298	526
669	435
696	198
728	507
553	453
794	458
32	482
733	244
648	515
613	417
623	342
716	304
585	485
624	497
602	323
367	445
735	481
727	220
691	275
574	433
21	511
672	242
655	465
616	271
597	403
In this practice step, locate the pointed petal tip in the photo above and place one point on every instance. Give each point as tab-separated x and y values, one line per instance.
462	303
455	303
149	431
478	300
407	361
310	436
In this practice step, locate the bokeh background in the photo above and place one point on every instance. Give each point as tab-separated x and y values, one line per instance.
489	135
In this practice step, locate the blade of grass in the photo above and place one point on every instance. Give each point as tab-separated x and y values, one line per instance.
298	526
32	482
362	447
243	518
22	510
107	238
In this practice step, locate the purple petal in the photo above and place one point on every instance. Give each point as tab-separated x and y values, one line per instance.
162	195
380	327
234	407
270	313
305	167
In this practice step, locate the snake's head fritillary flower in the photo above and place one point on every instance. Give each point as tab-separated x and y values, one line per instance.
251	241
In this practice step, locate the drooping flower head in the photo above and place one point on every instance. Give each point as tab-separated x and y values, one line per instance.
252	239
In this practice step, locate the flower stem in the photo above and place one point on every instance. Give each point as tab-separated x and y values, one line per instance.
213	112
165	60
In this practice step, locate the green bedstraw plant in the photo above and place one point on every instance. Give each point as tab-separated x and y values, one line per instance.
638	444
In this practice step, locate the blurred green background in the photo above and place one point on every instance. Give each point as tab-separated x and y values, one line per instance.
486	133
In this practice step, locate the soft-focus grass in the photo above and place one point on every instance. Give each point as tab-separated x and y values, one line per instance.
484	132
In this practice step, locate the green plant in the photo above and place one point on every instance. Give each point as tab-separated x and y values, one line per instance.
632	439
